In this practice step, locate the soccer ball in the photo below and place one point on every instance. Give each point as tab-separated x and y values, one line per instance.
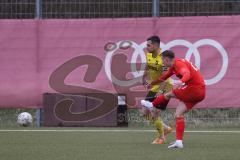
24	119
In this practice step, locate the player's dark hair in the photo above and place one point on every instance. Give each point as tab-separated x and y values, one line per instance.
168	53
154	39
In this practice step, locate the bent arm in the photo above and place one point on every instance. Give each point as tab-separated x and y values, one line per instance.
164	77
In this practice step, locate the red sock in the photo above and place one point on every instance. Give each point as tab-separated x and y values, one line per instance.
160	100
180	125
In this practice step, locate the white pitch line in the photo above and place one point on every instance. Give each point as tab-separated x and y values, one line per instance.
111	130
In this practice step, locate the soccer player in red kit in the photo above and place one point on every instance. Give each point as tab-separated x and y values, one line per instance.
190	90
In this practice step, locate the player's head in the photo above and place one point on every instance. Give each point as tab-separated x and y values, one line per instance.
168	58
153	44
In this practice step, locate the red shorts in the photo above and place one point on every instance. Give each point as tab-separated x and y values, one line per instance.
190	95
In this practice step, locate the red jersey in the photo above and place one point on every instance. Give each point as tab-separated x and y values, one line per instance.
186	71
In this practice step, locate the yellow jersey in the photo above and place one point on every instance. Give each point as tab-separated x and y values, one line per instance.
155	69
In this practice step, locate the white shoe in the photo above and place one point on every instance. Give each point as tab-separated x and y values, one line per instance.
147	104
176	144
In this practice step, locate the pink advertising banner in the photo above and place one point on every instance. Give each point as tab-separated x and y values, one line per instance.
105	55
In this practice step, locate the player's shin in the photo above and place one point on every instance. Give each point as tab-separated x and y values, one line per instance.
180	126
159	126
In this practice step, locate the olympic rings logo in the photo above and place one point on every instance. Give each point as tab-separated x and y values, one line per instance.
138	52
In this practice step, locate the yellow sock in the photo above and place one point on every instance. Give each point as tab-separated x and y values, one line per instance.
159	126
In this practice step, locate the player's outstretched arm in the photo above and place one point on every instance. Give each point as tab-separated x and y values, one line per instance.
164	77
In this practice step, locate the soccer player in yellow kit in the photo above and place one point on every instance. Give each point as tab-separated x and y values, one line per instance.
155	69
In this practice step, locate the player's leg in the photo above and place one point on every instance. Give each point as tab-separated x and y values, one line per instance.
156	119
191	95
146	111
188	97
167	129
166	87
153	114
159	125
162	128
180	125
161	100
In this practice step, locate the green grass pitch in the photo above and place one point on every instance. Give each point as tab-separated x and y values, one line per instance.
103	144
